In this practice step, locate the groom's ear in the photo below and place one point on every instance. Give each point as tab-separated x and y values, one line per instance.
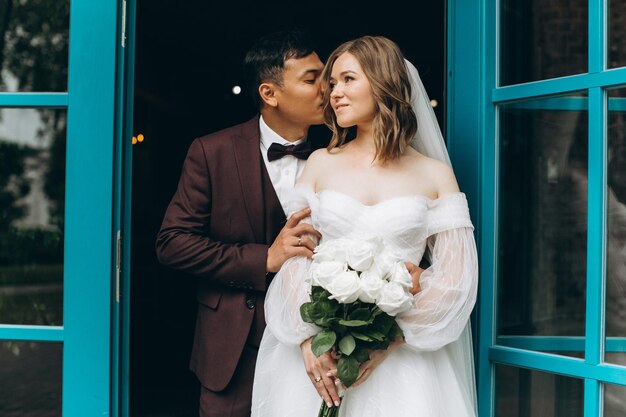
267	91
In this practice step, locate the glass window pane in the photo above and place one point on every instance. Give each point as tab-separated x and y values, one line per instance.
525	393
31	378
614	401
34	39
616	229
541	40
32	209
617	33
543	217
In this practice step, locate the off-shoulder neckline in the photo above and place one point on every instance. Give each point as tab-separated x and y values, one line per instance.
422	197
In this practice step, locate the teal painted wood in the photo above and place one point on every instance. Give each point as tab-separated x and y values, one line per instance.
566	104
33	100
33	333
596	208
128	161
593	401
558	343
469	111
596	227
481	18
89	196
126	72
558	364
609	78
597	35
118	227
489	181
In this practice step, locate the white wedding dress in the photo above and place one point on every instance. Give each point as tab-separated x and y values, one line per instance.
432	374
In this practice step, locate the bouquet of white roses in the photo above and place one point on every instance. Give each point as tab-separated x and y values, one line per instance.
357	288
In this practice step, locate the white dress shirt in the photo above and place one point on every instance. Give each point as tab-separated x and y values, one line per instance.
285	171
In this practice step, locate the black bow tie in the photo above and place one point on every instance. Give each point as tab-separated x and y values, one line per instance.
277	151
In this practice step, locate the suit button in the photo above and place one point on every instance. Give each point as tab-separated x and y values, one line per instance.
250	303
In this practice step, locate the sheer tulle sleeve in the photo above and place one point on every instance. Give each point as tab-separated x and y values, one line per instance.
448	287
289	289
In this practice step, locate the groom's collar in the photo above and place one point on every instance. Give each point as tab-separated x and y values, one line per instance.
269	136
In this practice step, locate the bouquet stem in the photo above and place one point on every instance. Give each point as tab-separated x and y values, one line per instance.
326	411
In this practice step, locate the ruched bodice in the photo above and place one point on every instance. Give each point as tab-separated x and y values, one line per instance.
399	222
403	222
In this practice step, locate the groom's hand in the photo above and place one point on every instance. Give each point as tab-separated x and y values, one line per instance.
292	241
415	272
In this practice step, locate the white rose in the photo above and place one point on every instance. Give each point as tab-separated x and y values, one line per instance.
400	275
384	263
361	254
332	250
345	287
371	285
394	299
322	273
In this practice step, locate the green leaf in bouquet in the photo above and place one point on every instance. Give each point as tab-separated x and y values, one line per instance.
395	331
377	312
319	312
305	312
319	293
362	314
327	307
347	344
353	323
383	323
361	336
361	354
375	335
347	370
323	342
382	345
323	319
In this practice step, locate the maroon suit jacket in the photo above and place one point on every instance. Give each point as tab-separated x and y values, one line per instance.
214	229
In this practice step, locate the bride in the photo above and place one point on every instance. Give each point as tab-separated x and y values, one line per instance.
385	173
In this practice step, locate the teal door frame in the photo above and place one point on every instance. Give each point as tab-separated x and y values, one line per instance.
122	212
89	256
474	98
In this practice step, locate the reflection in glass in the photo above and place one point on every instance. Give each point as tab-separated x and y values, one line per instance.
34	39
542	39
616	229
31	378
543	217
614	401
526	393
32	207
617	33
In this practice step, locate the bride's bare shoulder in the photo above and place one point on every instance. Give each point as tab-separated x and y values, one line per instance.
321	158
440	173
318	162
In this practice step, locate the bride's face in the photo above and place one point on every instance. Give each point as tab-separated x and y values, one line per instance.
351	92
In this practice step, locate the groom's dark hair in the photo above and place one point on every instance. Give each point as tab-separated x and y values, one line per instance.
265	60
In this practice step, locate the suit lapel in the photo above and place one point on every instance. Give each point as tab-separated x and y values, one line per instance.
247	156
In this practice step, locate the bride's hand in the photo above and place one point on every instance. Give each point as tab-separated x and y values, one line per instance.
319	370
376	358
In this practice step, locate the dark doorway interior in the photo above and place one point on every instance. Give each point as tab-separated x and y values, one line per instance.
188	57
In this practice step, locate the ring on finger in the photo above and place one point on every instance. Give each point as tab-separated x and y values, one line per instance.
299	240
318	379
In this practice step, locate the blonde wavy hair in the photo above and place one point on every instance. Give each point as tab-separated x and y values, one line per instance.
394	123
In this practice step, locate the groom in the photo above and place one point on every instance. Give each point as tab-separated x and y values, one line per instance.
226	223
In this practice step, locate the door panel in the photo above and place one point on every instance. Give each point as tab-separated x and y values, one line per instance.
57	133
